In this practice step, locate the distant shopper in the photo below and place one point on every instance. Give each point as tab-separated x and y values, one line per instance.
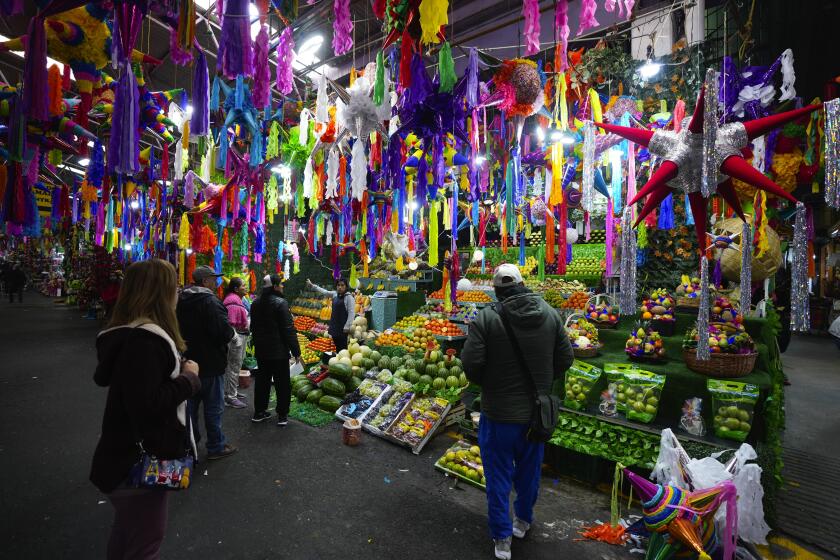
140	363
15	282
834	331
343	311
205	327
238	319
275	340
509	458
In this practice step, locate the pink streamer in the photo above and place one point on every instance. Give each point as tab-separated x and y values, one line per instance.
609	5
342	28
561	23
587	16
678	115
285	61
610	241
531	13
627	6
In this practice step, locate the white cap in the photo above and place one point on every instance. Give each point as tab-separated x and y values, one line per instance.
506	275
267	281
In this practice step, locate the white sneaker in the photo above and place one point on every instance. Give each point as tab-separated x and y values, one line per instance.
502	548
520	528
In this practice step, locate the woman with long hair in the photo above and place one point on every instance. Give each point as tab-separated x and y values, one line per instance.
148	384
238	319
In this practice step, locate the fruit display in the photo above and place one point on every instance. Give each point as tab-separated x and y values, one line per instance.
322	344
362	399
303	324
383	414
615	373
723	311
658	307
640	391
309	356
319	328
409	322
359	329
443	327
464	313
312	304
585	266
577	300
391	338
595	236
723	339
463	461
529	267
580	381
557	284
535	239
362	303
582	333
645	344
420	339
469	296
733	404
554	298
418	420
689	287
602	312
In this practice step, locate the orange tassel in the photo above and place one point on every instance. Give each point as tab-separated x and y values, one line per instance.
549	236
605	533
56	99
252	281
342	176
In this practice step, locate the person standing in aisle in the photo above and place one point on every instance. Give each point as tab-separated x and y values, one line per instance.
15	282
493	361
275	339
148	384
343	311
205	327
238	319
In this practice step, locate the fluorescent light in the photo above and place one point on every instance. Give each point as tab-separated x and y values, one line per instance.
307	53
84	162
412	265
203	4
127	247
649	69
253	11
72	169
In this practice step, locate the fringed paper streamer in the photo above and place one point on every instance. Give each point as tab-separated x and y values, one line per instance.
556	175
34	102
561	26
124	144
358	170
272	149
307	179
588	181
689	217
746	268
627	298
54	94
322	101
717	275
562	245
434	14
609	238
473	92
379	83
184	34
587	16
666	213
800	318
342	28
760	209
549	236
303	130
406	56
214	94
531	15
446	68
703	351
710	128
236	53
615	176
261	92
285	61
832	153
642	236
332	174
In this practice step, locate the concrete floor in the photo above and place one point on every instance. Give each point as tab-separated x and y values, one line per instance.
288	493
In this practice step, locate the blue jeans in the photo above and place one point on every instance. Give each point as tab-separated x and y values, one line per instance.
509	459
212	394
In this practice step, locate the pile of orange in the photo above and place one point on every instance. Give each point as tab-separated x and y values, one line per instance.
443	327
304	323
474	296
420	338
576	301
391	339
322	344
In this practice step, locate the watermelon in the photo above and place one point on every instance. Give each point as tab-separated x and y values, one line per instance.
420	367
431	370
396	362
298	379
409	362
425	380
329	403
452	382
300	383
455	370
438	383
333	387
303	391
368	363
413	376
314	396
384	362
354	383
375	356
400	373
340	371
458	362
434	357
463	379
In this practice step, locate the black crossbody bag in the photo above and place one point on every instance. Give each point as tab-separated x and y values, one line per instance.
546	409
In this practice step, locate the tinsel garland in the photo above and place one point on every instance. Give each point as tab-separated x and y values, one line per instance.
746	268
342	28
531	15
434	14
710	128
832	153
627	278
703	351
261	93
285	61
446	69
587	185
800	312
689	217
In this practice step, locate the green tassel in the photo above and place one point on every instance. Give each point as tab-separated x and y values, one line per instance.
379	86
446	68
642	236
272	150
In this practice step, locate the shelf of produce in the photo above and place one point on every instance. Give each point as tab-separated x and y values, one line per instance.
386	393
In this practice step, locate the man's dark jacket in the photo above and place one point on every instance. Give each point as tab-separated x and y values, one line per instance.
272	330
489	359
204	325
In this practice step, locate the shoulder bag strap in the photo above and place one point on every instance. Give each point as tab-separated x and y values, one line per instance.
517	350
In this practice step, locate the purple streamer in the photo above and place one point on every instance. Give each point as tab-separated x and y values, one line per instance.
124	144
342	28
200	120
236	52
261	95
35	105
717	275
285	61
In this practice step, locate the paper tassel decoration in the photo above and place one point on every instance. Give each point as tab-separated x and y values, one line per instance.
800	308
261	94
434	14
322	101
379	84
587	188
446	69
627	299
307	179
55	94
746	268
342	27
703	351
710	130
181	42
286	61
332	175
609	238
34	102
587	16
832	153
531	15
236	53
561	26
184	232
666	213
124	144
358	170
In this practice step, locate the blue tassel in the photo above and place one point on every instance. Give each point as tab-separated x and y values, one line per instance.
239	94
214	95
256	150
217	259
689	217
223	148
280	250
666	213
152	163
522	248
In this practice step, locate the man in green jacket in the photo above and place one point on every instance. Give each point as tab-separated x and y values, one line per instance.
508	457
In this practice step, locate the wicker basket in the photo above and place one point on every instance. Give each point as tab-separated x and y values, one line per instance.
721	365
687	302
590	352
595	300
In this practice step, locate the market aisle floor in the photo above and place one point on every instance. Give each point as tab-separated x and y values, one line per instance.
289	493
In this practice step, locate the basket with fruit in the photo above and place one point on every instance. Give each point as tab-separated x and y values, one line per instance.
733	404
732	352
645	345
576	301
602	311
723	311
583	336
463	461
554	298
659	309
688	292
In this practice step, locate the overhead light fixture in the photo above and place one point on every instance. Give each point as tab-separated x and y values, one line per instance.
412	265
72	170
203	4
84	162
649	69
307	53
127	247
189	110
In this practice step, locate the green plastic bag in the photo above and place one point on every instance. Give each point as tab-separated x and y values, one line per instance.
733	404
644	389
580	382
615	383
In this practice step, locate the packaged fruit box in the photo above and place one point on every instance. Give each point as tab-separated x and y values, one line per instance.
361	401
383	413
418	422
580	382
615	383
733	404
463	461
642	392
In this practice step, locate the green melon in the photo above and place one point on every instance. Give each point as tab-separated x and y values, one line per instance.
455	370
396	362
413	376
463	379
375	356
384	363
314	396
425	380
420	367
452	382
431	370
438	383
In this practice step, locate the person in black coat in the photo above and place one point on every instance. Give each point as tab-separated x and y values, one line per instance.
15	282
204	325
275	339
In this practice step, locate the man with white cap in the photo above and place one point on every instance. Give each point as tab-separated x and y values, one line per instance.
514	349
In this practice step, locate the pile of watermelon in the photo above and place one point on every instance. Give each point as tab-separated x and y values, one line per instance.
435	369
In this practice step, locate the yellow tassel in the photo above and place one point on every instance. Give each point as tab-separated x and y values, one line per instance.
352	76
184	232
168	235
185	136
556	175
398	264
595	103
704	556
182	265
433	15
564	106
433	233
